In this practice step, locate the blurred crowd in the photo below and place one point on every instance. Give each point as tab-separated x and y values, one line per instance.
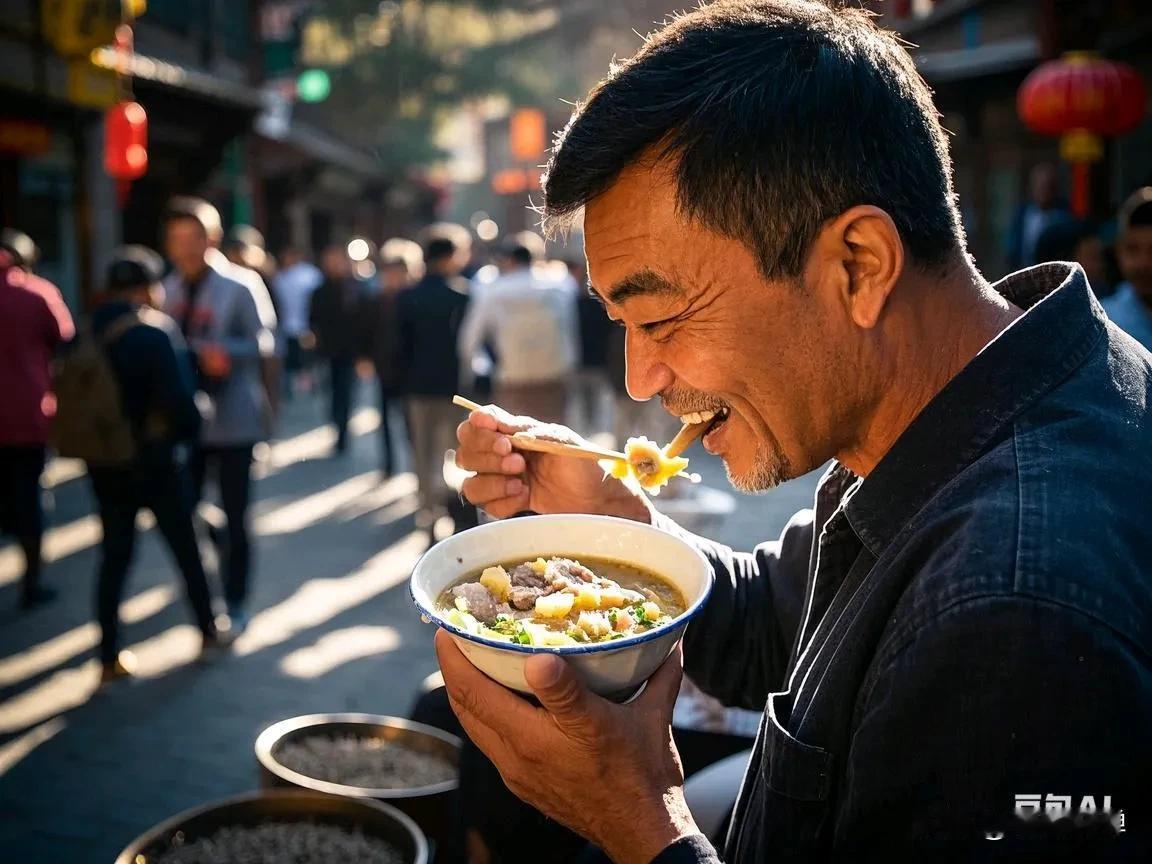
170	386
183	367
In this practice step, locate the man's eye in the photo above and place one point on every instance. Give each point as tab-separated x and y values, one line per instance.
653	327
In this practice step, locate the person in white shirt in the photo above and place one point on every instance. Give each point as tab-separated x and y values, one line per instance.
293	285
1130	308
530	323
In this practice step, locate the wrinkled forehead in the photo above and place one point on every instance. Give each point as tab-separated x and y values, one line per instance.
634	225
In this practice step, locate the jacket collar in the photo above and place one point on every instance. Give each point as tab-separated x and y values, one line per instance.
1061	325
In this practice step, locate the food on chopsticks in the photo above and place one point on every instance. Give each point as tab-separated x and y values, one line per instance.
643	461
648	464
559	602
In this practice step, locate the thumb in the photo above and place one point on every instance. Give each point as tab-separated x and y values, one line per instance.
664	686
561	693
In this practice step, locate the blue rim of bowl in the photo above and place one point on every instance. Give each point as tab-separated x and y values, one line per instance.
610	645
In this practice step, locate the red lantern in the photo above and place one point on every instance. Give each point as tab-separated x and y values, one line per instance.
126	141
1081	97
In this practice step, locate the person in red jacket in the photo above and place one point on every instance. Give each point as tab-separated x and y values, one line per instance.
33	321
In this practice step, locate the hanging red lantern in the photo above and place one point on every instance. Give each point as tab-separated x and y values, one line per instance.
126	141
1081	97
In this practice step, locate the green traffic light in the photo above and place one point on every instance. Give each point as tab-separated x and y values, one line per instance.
313	85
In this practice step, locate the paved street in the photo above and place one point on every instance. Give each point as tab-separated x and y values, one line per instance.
83	772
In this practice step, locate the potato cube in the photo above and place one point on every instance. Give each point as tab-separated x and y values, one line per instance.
624	621
587	597
651	610
554	605
612	596
498	582
594	624
539	565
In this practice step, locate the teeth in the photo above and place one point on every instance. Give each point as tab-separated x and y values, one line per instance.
697	417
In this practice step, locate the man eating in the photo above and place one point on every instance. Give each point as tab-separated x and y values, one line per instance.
953	651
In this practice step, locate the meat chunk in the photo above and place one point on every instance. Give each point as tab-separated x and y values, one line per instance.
524	596
480	601
525	576
568	567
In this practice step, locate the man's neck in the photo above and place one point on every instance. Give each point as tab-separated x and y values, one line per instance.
926	345
197	277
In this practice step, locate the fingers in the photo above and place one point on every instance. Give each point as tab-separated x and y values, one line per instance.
562	693
499	496
486	709
486	452
664	685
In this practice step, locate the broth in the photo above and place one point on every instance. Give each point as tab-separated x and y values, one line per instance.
560	601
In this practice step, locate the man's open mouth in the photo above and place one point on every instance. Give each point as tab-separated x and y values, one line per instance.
713	419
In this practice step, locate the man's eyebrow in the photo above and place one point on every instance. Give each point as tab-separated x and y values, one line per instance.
642	283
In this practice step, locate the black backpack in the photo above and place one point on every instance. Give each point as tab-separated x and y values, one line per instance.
90	420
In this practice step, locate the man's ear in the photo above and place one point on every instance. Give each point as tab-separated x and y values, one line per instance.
863	249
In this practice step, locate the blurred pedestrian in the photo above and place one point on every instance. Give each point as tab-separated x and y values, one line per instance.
334	316
249	263
229	328
1130	308
1045	206
429	317
531	322
1077	240
149	362
292	287
33	322
401	263
592	387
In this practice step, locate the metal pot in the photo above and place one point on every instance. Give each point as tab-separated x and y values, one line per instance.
430	806
282	805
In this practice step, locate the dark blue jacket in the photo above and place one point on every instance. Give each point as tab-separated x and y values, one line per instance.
954	655
429	317
154	371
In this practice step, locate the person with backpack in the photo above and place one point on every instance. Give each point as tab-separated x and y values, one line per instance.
34	321
229	326
128	407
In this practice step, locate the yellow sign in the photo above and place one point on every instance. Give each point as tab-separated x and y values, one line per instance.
90	86
76	27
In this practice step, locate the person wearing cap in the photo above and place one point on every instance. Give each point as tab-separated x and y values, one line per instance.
532	324
152	367
1130	308
34	321
229	325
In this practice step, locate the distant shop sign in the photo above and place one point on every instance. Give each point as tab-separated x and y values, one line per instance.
21	137
78	27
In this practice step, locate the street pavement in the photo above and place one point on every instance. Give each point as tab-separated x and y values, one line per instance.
83	771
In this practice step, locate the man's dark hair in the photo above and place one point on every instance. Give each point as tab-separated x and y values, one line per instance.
777	115
1136	211
199	211
134	267
443	240
20	247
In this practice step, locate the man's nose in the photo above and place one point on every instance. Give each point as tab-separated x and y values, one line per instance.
647	375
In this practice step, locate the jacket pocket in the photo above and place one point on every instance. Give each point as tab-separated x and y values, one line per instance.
791	813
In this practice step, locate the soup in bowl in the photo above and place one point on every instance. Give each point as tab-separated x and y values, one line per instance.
610	595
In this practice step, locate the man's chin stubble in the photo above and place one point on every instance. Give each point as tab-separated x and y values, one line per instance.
767	472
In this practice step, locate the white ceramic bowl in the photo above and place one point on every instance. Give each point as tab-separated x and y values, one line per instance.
614	669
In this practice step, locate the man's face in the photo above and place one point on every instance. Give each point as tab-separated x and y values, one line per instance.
186	243
1134	255
335	263
1045	186
393	277
707	332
